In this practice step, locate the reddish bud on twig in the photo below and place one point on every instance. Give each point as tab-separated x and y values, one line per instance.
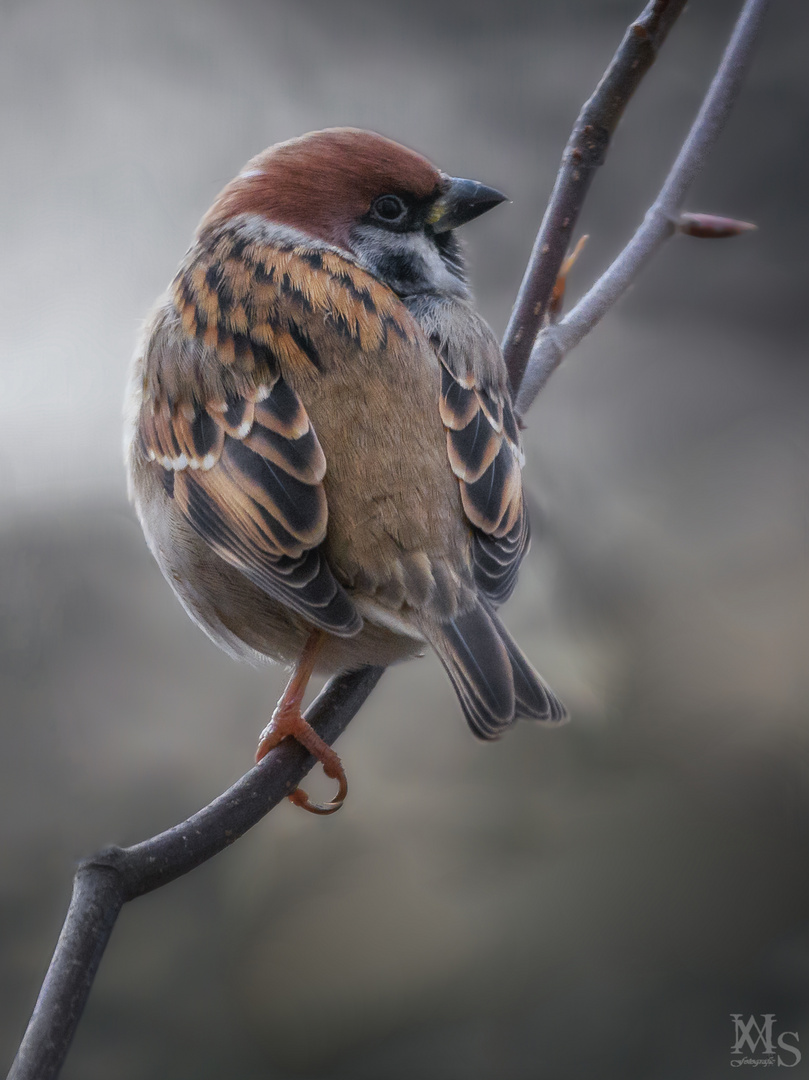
558	294
711	227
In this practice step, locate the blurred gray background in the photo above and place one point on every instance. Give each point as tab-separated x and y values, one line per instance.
593	901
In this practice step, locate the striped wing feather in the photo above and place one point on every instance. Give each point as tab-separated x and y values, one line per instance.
483	446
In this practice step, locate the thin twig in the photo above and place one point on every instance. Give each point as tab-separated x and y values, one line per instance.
107	881
662	219
585	151
104	883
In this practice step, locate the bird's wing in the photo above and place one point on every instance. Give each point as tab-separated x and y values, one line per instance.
483	444
242	460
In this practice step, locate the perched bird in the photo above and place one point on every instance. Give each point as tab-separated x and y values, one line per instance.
321	444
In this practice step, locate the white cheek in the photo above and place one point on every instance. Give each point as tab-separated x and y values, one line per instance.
437	270
374	247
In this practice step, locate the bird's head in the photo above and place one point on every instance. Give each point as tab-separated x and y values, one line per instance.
383	203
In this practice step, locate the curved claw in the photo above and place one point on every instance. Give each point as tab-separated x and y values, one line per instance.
288	723
301	799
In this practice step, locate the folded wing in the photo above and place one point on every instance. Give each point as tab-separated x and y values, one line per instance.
483	446
243	462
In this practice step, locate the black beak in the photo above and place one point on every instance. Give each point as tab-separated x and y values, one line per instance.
463	201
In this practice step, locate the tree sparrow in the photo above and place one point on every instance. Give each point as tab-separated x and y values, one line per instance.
321	444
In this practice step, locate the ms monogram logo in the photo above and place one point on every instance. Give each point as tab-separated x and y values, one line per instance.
751	1035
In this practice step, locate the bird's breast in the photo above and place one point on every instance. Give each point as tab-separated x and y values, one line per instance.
395	515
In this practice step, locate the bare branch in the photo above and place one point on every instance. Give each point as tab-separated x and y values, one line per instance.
586	149
105	882
661	221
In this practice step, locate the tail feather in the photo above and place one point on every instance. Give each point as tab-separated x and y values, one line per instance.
478	665
494	681
535	699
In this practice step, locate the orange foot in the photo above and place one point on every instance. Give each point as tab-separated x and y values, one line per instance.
287	721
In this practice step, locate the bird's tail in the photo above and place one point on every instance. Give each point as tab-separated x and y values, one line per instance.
494	682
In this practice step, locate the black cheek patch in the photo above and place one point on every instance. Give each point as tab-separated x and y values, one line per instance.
402	269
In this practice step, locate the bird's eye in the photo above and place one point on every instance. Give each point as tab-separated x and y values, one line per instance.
389	208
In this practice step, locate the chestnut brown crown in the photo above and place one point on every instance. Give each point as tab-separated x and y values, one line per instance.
324	182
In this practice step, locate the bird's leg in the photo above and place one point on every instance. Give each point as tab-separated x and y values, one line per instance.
287	720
